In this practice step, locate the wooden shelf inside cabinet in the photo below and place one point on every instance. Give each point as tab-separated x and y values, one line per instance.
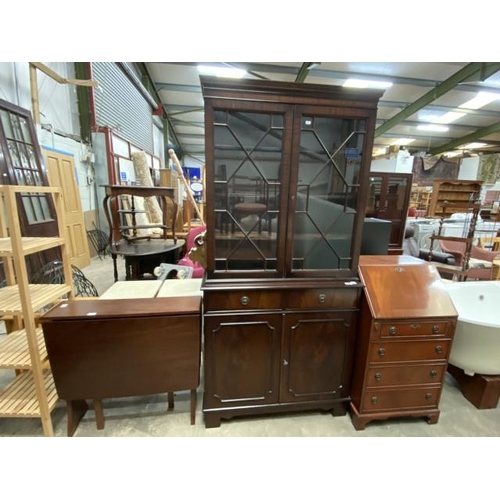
19	398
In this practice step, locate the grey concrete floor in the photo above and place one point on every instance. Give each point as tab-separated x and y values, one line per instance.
148	416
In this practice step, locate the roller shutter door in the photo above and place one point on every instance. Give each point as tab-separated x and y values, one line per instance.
121	107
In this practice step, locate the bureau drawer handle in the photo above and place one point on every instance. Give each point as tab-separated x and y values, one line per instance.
244	300
392	330
434	373
374	400
439	349
428	396
381	352
435	329
322	298
378	377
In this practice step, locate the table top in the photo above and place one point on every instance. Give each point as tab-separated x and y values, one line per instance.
149	289
97	309
115	190
139	289
140	248
181	288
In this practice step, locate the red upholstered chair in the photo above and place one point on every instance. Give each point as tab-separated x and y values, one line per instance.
198	270
480	262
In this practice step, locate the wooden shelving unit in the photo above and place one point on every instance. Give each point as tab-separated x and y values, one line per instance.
452	196
420	197
32	393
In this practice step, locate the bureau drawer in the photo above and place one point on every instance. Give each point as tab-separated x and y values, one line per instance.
241	299
376	400
383	352
324	298
414	328
407	374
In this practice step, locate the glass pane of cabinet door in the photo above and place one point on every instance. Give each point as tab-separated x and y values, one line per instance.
329	166
248	157
396	207
388	198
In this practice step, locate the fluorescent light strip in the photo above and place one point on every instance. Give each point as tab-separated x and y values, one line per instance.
449	117
482	99
402	142
364	84
221	71
433	128
474	145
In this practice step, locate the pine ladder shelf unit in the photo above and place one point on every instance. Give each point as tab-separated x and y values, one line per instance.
32	393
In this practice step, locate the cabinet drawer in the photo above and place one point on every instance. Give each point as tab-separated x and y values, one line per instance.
324	298
383	352
405	375
241	299
413	328
377	400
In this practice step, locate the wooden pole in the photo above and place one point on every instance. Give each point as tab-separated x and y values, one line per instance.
34	95
178	167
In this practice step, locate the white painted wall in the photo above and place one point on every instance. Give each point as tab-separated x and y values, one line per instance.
468	168
60	128
402	163
58	103
15	83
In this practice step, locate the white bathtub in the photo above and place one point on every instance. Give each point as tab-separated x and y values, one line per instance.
476	347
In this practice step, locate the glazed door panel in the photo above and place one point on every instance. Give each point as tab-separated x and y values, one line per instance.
388	199
250	162
21	163
316	347
242	359
325	211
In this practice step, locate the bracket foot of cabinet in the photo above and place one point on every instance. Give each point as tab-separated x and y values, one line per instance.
359	420
213	417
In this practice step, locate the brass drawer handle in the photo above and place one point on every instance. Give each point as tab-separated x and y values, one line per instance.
433	374
374	400
439	349
381	352
428	396
378	377
392	330
435	329
244	300
322	298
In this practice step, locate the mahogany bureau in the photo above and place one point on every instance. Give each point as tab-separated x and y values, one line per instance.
406	327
